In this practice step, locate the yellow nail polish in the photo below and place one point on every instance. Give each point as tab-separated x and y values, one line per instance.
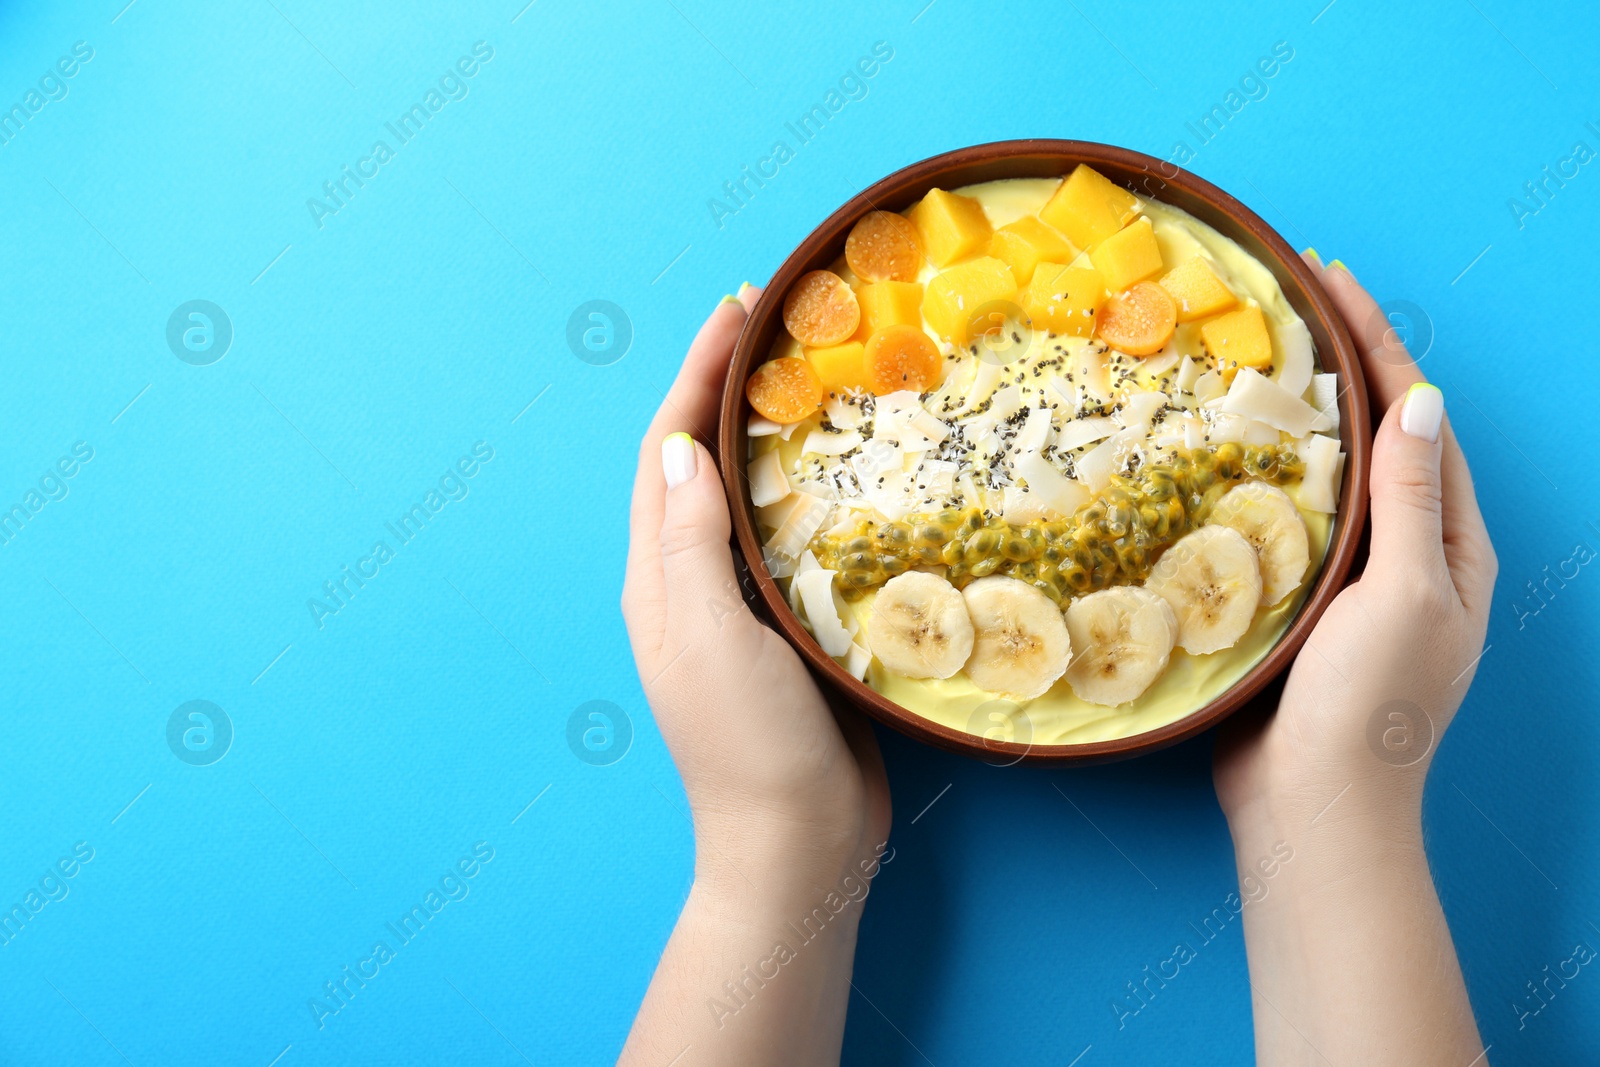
1312	252
744	287
680	436
1340	264
729	299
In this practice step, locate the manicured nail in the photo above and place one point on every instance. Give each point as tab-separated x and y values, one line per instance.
1423	411
744	287
677	458
1340	264
1312	252
729	299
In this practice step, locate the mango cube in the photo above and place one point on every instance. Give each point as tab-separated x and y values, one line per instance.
1238	339
1064	300
952	227
955	297
840	366
1197	290
888	304
1025	243
1088	207
1127	256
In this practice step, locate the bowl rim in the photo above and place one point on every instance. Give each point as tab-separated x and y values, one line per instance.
1044	157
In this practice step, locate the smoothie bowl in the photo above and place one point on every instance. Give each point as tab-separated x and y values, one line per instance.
1045	451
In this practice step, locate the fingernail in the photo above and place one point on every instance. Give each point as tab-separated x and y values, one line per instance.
744	287
1423	411
1340	264
678	459
729	299
1312	252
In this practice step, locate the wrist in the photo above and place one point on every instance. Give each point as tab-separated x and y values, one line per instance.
781	869
1372	819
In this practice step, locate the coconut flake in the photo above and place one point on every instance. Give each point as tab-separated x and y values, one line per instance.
1294	341
823	611
822	443
761	426
1319	487
1080	432
768	483
1325	398
1139	408
1054	490
1257	397
1187	373
1209	386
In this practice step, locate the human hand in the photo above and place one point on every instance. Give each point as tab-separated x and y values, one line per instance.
1350	956
788	797
1403	640
774	776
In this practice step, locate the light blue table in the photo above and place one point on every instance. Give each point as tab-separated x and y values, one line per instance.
378	335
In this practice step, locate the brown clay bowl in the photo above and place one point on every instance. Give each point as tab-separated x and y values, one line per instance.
1148	177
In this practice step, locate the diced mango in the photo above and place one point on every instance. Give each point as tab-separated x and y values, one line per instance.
1027	242
1238	339
952	227
888	304
840	366
1088	207
955	297
1197	290
1127	256
1064	300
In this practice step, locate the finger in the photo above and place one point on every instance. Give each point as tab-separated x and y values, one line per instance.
1407	496
1390	371
689	405
748	295
696	561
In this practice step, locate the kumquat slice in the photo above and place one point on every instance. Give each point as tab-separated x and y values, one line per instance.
785	390
1140	320
821	309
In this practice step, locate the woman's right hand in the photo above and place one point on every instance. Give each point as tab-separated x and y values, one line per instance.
1350	956
1386	667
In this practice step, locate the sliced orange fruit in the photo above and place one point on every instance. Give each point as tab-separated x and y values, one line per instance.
903	357
1139	320
884	247
785	390
821	309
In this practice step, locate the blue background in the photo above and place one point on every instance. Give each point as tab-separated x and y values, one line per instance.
428	313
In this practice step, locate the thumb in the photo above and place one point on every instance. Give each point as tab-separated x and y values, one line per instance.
1407	497
696	562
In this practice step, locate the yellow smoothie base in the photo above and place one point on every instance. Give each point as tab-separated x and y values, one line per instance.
1190	682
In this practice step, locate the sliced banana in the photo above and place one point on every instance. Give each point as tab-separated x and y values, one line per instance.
1213	582
919	626
1021	644
1272	524
1123	637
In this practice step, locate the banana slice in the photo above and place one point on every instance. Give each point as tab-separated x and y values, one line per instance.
1021	644
919	626
1123	637
1212	580
1271	523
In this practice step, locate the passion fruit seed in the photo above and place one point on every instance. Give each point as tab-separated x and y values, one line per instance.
1112	540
